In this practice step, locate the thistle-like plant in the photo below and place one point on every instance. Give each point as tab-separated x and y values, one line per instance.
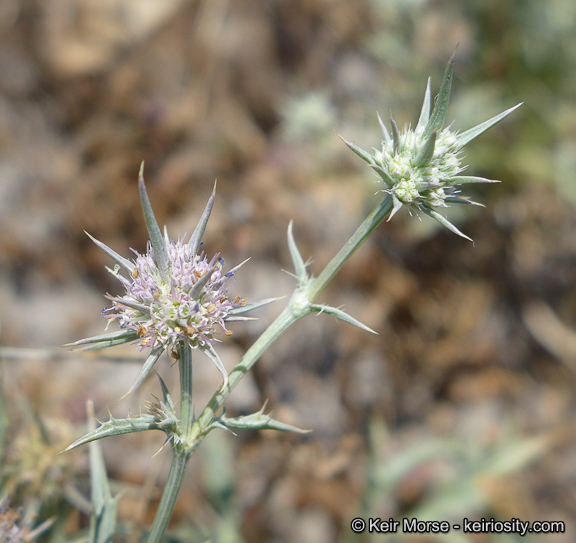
421	167
177	299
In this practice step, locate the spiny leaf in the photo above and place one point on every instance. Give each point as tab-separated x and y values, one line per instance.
257	421
118	427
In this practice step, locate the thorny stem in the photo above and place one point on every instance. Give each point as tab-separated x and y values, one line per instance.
192	431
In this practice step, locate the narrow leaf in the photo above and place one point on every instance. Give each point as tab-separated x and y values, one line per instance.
240	310
466	179
129	303
297	260
427	152
125	264
198	233
469	135
156	238
360	152
211	353
445	222
425	112
342	315
105	508
460	200
438	117
146	369
105	340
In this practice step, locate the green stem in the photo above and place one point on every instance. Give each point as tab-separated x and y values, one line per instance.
364	230
294	310
180	454
193	432
169	495
186	405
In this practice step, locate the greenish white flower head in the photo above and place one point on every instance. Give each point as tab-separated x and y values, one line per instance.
175	296
421	167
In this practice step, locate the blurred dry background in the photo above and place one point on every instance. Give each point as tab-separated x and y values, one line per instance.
462	406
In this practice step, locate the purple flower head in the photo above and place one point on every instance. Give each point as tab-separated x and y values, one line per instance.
175	296
189	307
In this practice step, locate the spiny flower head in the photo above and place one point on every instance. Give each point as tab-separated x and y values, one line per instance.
175	296
186	308
420	167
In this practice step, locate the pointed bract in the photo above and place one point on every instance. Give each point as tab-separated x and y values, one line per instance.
385	133
198	233
360	152
438	117
427	151
467	179
469	135
395	136
211	353
297	260
250	307
383	174
425	112
145	370
156	238
445	222
125	264
342	315
110	339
